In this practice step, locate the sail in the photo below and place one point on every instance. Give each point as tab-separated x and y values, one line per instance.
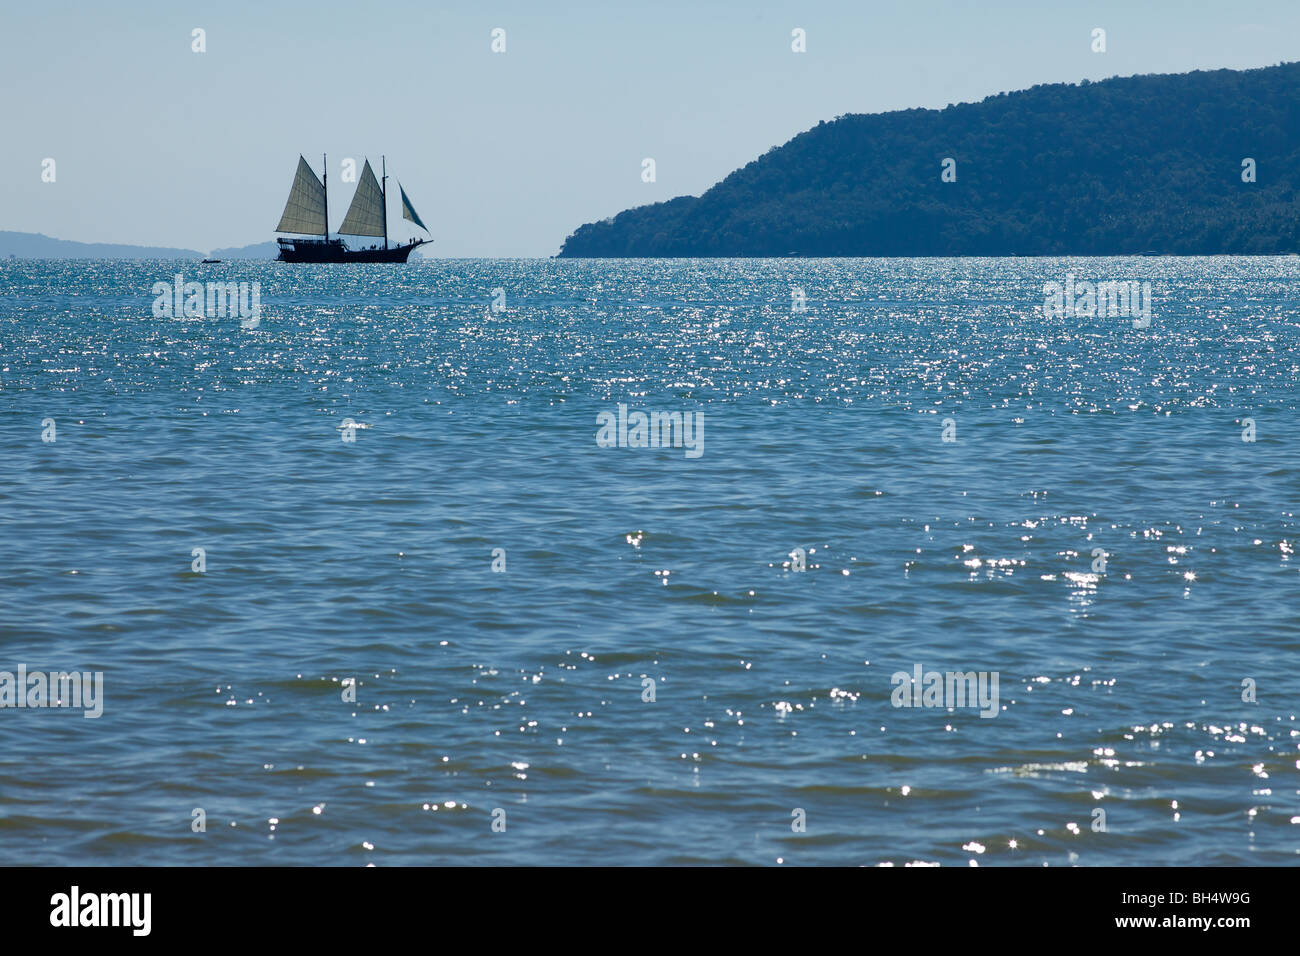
304	213
366	214
408	211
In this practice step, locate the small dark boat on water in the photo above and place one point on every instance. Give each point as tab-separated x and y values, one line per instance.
211	262
307	214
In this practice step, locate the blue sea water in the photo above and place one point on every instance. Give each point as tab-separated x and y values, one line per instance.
519	695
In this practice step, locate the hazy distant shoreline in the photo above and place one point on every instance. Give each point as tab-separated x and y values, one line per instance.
35	245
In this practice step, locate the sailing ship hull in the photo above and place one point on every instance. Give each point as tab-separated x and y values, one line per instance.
333	250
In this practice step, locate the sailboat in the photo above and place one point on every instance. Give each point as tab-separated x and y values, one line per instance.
307	214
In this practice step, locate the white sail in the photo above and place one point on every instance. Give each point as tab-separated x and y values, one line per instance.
304	213
366	214
408	211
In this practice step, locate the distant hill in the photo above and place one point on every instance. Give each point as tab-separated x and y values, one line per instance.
258	250
1125	165
33	245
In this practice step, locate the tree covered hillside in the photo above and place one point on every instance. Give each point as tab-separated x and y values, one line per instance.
1126	165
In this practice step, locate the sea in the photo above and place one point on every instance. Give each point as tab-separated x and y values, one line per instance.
848	562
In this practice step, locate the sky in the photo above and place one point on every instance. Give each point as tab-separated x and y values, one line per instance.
505	154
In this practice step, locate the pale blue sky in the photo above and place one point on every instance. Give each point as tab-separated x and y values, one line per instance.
505	154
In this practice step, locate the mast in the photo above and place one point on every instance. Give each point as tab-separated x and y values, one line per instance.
384	190
325	183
